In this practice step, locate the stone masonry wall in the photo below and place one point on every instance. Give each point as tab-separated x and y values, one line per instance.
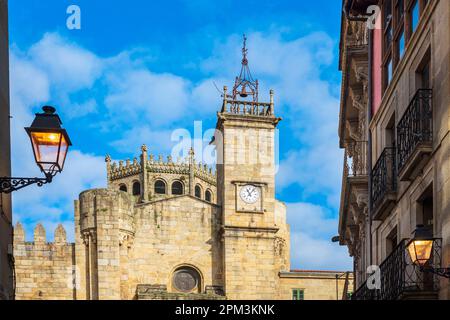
126	245
44	270
316	285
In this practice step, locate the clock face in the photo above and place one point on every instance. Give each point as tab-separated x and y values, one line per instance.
250	194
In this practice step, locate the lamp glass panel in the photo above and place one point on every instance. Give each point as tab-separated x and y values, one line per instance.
420	251
62	152
46	146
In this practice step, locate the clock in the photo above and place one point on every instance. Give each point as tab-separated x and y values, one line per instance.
250	194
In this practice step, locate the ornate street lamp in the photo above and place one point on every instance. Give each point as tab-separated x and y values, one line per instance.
50	143
420	249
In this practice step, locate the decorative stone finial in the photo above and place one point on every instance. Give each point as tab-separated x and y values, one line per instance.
144	148
108	158
272	104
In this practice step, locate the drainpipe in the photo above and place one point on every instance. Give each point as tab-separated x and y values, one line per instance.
369	136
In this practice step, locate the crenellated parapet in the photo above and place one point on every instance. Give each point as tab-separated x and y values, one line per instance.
44	270
159	164
123	170
138	177
40	237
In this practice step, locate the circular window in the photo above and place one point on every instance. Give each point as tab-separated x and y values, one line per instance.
186	280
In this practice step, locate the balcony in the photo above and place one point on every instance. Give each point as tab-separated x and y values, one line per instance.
401	279
354	186
384	185
415	136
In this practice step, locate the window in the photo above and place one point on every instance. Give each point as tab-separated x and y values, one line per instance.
391	241
208	196
389	71
136	188
123	188
388	36
401	45
298	294
160	187
424	213
423	72
400	21
415	15
198	192
177	188
390	133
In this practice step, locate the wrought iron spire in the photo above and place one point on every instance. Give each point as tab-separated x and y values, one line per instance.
245	85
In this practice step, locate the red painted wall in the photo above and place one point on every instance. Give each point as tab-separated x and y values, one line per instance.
377	86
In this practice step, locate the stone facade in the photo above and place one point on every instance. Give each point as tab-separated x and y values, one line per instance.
316	285
408	151
6	275
175	229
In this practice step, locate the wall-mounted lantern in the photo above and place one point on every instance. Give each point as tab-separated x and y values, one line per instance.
420	249
50	143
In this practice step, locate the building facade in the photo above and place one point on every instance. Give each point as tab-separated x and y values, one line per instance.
6	229
176	229
394	126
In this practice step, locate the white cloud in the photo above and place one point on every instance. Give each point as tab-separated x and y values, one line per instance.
142	94
69	66
318	170
312	228
132	140
309	253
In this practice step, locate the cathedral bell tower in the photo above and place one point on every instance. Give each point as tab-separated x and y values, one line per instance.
245	142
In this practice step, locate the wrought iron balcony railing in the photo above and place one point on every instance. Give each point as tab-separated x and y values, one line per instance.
401	279
415	127
384	177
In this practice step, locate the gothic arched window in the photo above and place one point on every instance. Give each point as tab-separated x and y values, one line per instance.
177	188
208	196
198	192
136	188
160	187
123	188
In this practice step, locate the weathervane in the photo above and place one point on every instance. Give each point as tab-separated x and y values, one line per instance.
245	85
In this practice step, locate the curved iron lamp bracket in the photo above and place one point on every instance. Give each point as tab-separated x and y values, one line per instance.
10	184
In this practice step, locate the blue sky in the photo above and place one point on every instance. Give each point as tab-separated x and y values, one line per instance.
138	70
